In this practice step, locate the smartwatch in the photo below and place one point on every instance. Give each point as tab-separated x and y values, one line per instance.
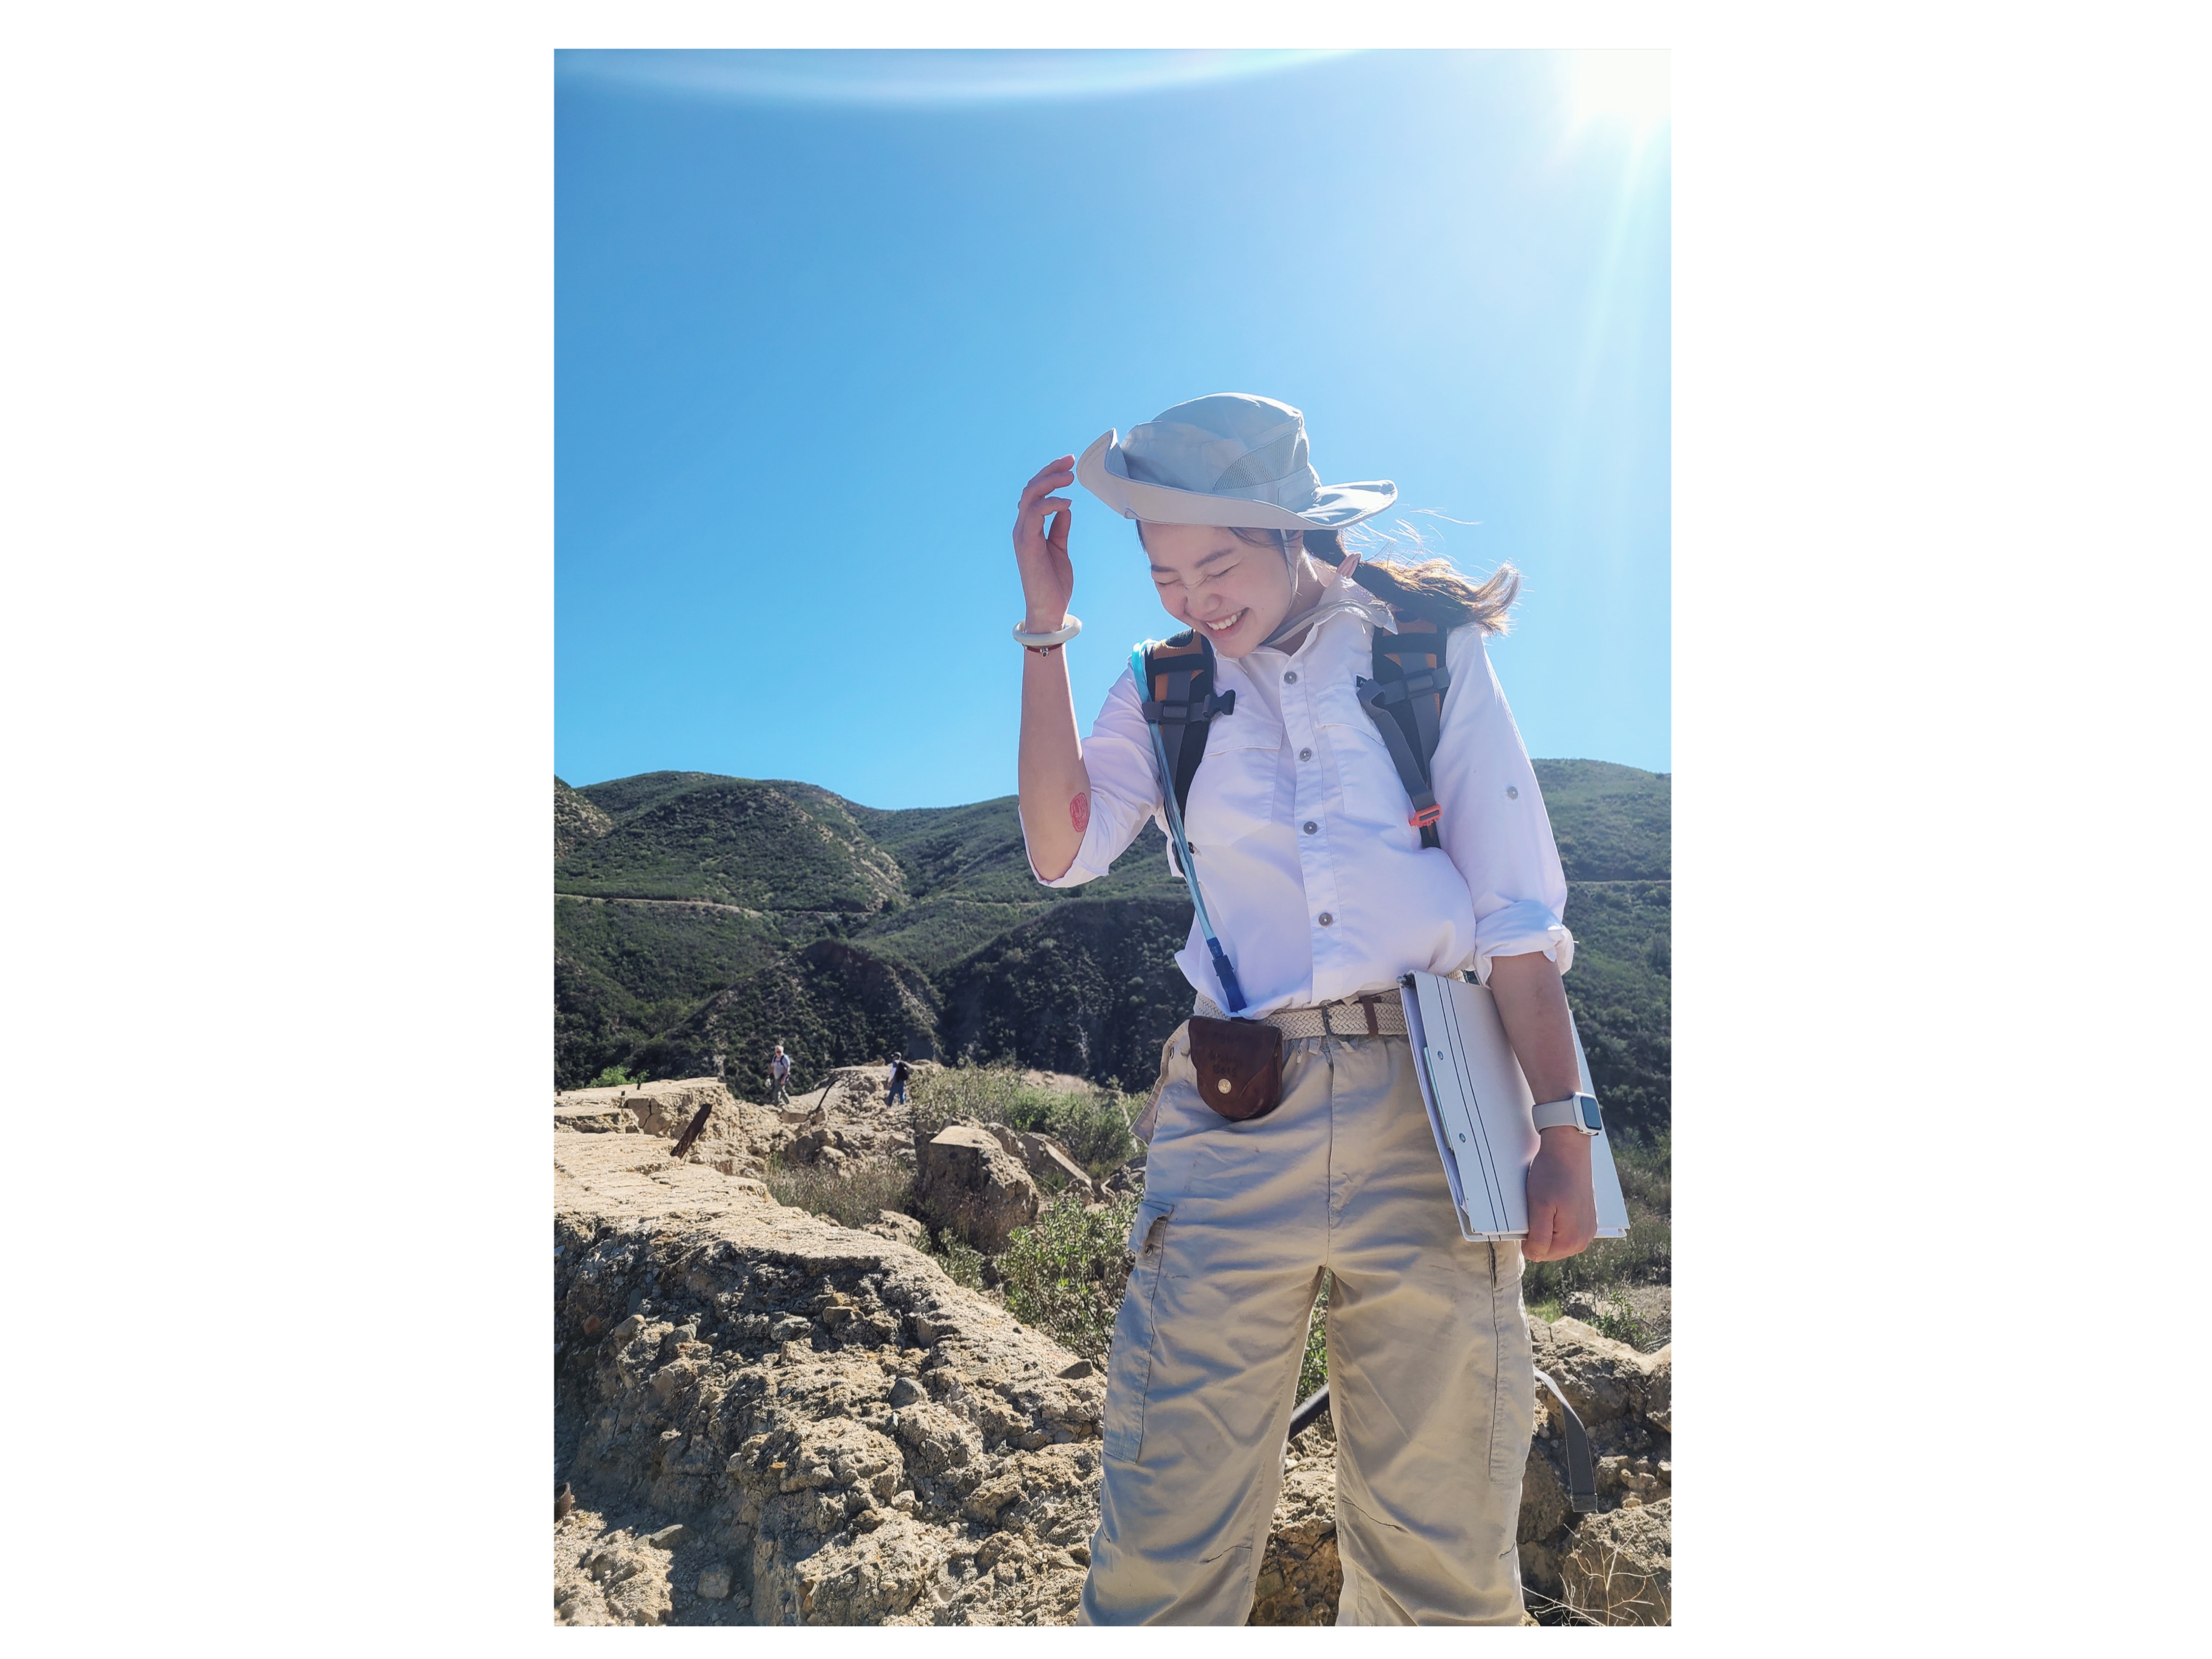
1575	1112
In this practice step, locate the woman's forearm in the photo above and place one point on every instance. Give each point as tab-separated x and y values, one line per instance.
1532	1003
1056	789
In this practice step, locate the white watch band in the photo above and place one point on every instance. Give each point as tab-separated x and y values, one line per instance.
1060	635
1563	1114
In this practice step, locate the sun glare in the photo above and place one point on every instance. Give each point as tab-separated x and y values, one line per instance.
1626	88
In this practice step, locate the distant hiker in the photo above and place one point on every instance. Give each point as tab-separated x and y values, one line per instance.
1364	810
779	1077
897	1096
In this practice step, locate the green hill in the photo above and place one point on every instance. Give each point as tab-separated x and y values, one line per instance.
698	916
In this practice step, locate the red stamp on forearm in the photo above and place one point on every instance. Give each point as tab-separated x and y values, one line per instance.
1079	813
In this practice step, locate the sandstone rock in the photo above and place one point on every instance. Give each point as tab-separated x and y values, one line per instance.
1620	1570
713	1584
788	1460
602	1576
970	1183
593	1117
740	1139
1299	1574
1048	1162
901	1229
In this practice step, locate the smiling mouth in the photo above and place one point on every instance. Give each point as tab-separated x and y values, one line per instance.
1223	627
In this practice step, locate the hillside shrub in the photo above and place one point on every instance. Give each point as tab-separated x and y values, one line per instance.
1065	1273
961	1262
1093	1125
614	1077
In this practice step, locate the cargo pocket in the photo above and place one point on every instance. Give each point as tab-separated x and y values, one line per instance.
1178	1044
1129	1365
1513	1378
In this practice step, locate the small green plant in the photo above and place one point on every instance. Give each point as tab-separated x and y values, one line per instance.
614	1078
1313	1371
961	1262
1623	1326
1065	1273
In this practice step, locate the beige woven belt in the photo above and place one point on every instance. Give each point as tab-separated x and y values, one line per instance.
1379	1013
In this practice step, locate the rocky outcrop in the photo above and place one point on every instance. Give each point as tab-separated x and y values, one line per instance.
968	1182
843	1435
1299	1573
769	1420
1050	1164
849	1116
1625	1399
740	1139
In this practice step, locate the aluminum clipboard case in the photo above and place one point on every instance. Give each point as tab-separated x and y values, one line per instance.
1480	1107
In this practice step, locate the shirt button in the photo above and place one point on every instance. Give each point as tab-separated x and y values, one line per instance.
1325	919
1290	678
1305	754
1311	828
1512	792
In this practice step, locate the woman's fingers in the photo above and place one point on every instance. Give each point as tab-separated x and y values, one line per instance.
1537	1247
1039	492
1050	476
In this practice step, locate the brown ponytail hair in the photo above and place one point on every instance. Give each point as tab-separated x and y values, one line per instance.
1426	590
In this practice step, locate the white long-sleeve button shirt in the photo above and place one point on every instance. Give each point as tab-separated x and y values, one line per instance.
1317	885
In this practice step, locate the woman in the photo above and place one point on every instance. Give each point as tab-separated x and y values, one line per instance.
1321	892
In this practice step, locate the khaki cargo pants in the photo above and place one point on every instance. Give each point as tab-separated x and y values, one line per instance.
1430	1381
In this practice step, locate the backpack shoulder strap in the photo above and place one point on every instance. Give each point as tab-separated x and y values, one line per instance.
1179	698
1406	700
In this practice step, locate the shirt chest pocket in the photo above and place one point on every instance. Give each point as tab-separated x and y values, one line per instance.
1373	794
1234	795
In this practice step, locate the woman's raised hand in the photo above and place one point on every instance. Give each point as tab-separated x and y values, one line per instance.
1041	547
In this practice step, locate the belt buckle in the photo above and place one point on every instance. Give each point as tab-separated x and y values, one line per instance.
1330	1010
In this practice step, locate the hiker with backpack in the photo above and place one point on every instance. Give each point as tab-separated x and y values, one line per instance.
779	1077
896	1094
1354	804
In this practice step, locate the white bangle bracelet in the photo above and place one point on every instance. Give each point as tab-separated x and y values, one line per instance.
1060	635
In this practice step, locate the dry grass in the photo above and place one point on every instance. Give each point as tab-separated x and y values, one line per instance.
856	1198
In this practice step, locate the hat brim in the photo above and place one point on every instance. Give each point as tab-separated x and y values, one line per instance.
1334	505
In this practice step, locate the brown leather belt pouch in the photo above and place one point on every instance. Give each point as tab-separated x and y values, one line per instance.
1239	1064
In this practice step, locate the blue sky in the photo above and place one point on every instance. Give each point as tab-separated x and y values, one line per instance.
820	315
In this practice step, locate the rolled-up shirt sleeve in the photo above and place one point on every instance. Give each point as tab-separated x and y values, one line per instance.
1493	825
1125	787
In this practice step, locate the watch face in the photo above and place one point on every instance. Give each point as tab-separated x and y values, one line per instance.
1591	1119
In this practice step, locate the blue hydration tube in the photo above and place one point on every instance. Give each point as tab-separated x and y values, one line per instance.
1226	974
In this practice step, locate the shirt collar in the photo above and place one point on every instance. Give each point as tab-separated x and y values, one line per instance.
1343	594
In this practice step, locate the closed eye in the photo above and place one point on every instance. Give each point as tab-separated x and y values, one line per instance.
1214	574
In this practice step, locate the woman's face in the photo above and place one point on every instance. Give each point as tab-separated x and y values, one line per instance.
1234	592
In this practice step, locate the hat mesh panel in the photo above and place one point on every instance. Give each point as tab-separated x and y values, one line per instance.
1276	461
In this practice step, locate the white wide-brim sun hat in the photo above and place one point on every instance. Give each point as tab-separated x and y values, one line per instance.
1231	460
